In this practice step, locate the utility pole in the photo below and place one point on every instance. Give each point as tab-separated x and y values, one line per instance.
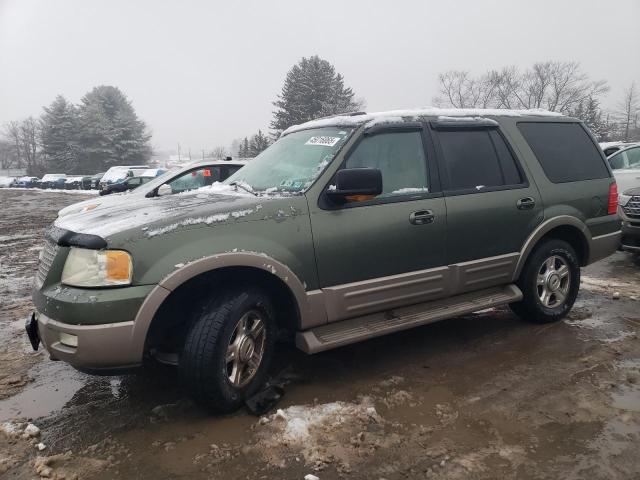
179	158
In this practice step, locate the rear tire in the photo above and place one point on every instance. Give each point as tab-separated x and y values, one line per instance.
549	282
228	349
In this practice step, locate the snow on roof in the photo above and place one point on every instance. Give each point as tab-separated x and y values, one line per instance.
395	115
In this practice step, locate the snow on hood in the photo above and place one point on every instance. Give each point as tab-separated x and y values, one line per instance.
627	179
160	215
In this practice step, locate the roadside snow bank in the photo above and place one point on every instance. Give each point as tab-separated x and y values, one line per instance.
54	190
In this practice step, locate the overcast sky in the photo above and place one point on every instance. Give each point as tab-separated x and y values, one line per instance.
205	72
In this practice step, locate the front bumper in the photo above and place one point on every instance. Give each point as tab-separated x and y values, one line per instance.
630	236
99	347
102	320
630	240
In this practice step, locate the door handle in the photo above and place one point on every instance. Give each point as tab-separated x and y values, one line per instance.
422	217
526	203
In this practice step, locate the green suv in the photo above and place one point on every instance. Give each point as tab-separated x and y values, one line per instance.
346	228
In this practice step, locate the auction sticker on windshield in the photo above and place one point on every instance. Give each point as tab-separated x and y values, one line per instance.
323	141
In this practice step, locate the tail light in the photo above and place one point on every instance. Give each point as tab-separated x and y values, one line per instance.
613	199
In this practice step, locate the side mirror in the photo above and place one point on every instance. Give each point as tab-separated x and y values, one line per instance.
164	189
355	181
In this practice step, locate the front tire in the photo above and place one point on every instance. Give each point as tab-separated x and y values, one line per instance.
228	349
549	283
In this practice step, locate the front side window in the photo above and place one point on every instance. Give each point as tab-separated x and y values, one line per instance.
400	158
293	163
477	160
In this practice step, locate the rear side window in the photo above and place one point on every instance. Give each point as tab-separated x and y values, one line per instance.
565	151
477	159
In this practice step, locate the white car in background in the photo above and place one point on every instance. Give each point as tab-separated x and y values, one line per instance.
625	164
6	181
121	172
188	177
609	148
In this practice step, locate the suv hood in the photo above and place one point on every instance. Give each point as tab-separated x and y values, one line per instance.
632	192
99	202
160	215
626	179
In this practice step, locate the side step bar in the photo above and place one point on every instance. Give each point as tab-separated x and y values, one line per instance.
362	328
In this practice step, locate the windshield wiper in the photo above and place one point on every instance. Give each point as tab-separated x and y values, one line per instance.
244	187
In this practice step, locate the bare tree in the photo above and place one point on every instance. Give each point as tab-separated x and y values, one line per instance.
8	156
628	110
23	137
556	86
219	153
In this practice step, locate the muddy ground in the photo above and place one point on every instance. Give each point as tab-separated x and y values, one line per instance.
482	396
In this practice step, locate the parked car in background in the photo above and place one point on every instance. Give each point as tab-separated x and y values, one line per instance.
343	230
26	182
625	164
6	182
53	180
78	182
95	181
124	185
153	172
609	148
120	172
188	177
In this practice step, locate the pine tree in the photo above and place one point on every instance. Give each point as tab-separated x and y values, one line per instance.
259	142
588	110
59	136
243	151
110	131
312	89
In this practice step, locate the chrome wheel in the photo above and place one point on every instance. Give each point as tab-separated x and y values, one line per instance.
246	348
553	281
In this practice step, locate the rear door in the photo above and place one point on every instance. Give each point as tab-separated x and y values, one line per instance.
492	207
383	252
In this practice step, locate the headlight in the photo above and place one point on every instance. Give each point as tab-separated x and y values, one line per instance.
97	268
623	199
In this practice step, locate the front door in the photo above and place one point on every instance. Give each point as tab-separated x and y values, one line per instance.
388	251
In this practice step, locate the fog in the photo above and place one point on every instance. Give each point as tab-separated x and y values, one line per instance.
204	73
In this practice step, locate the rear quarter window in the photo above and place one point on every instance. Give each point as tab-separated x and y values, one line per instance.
565	151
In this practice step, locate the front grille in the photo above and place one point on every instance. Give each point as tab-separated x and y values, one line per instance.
48	254
632	208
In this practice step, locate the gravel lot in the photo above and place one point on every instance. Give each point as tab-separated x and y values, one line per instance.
482	396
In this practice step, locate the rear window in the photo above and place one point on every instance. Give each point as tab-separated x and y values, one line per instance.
565	151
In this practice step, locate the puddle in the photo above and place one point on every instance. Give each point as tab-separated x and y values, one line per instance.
55	385
628	398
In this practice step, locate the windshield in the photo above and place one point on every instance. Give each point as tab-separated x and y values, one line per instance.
292	163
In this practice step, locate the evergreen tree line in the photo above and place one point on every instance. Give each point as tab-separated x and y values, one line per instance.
103	130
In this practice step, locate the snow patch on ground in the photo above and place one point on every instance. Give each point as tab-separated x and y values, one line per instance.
56	190
313	430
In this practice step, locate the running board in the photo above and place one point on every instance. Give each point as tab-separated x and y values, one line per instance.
362	328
